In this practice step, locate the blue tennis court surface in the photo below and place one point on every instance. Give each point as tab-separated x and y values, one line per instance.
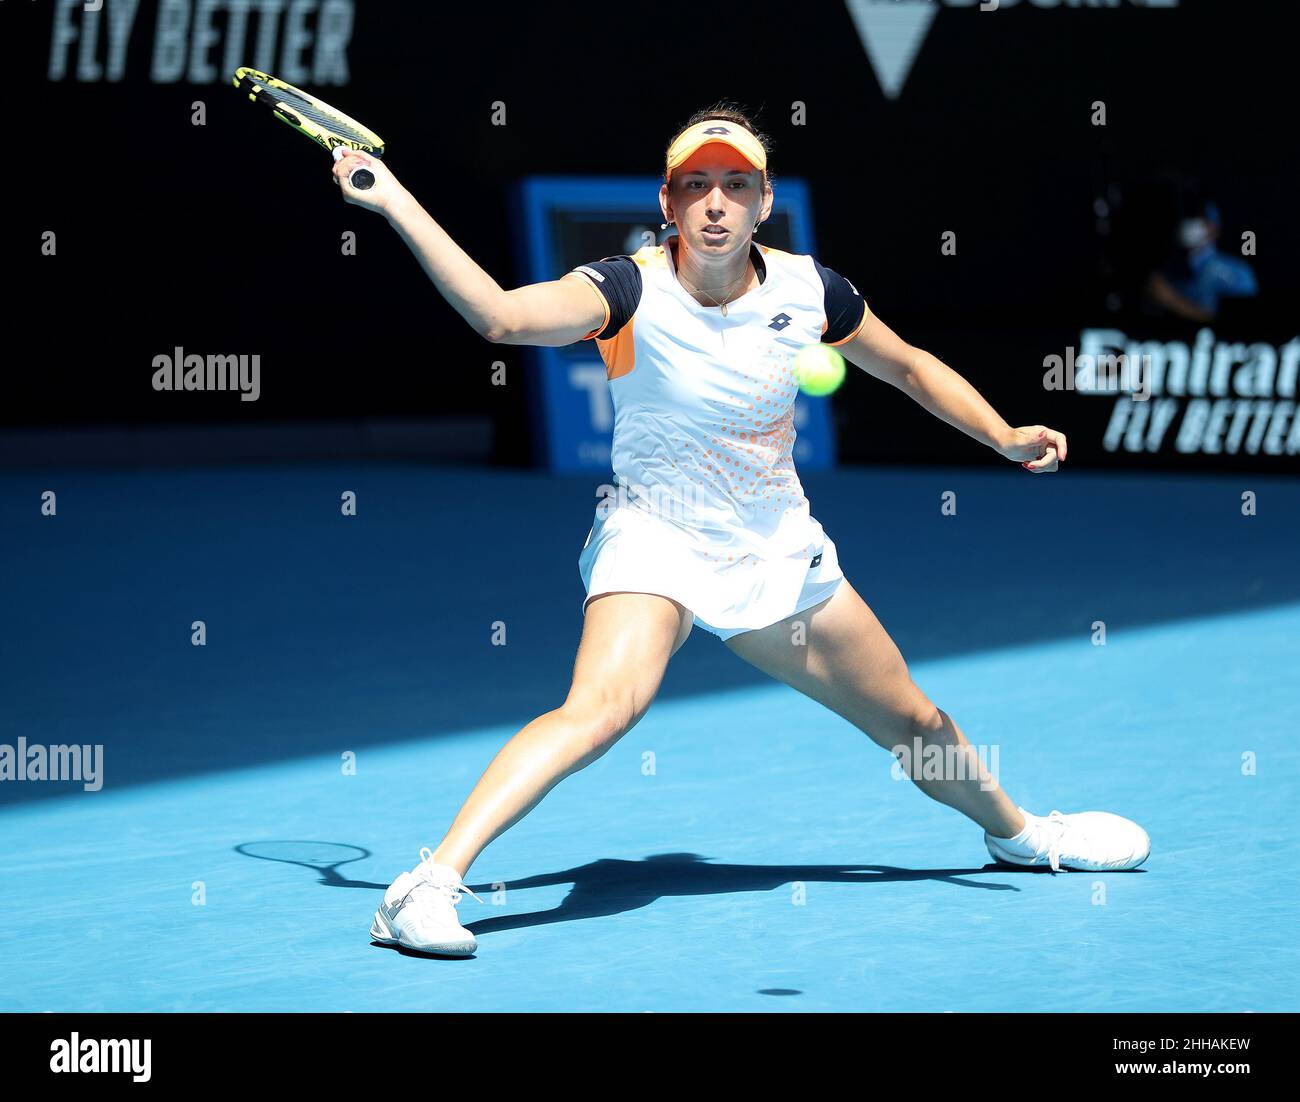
740	849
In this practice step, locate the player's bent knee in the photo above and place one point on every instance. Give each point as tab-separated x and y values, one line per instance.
597	726
925	722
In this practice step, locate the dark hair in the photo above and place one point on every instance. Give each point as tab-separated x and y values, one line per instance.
732	112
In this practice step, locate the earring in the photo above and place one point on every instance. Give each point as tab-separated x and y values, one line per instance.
663	225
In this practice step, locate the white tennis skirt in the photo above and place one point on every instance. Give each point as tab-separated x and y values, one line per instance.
630	550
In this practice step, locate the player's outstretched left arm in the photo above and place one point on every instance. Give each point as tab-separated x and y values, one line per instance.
881	352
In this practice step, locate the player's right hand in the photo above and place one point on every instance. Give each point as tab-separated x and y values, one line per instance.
376	198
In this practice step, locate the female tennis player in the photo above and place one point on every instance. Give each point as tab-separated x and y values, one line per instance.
710	524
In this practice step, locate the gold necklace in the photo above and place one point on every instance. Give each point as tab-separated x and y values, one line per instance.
701	291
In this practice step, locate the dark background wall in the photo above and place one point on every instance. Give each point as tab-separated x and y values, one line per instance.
224	237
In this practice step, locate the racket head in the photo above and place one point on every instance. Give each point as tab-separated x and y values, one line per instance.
309	115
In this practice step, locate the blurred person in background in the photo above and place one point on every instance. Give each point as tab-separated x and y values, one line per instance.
1197	275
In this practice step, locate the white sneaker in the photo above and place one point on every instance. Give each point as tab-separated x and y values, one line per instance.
1092	841
419	911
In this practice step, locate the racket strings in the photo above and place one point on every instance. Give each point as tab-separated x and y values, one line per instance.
310	109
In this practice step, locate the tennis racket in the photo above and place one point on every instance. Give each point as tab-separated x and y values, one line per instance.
327	127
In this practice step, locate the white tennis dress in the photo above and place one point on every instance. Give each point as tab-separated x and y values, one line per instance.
707	508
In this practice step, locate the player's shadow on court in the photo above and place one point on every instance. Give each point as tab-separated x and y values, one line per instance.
611	887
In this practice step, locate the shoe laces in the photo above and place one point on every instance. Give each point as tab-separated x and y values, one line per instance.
429	878
1054	845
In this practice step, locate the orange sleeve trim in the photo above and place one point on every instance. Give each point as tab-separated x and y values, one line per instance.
619	352
856	329
599	294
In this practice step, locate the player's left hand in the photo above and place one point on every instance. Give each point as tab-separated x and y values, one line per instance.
1038	449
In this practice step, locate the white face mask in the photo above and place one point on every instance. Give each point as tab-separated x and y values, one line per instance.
1193	232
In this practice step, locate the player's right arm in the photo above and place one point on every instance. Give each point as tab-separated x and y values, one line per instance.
553	313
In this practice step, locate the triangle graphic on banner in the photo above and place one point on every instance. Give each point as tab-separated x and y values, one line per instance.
892	32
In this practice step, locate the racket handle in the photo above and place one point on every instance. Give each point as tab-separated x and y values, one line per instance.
360	178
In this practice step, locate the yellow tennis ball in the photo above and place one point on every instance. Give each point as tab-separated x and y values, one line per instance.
819	370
